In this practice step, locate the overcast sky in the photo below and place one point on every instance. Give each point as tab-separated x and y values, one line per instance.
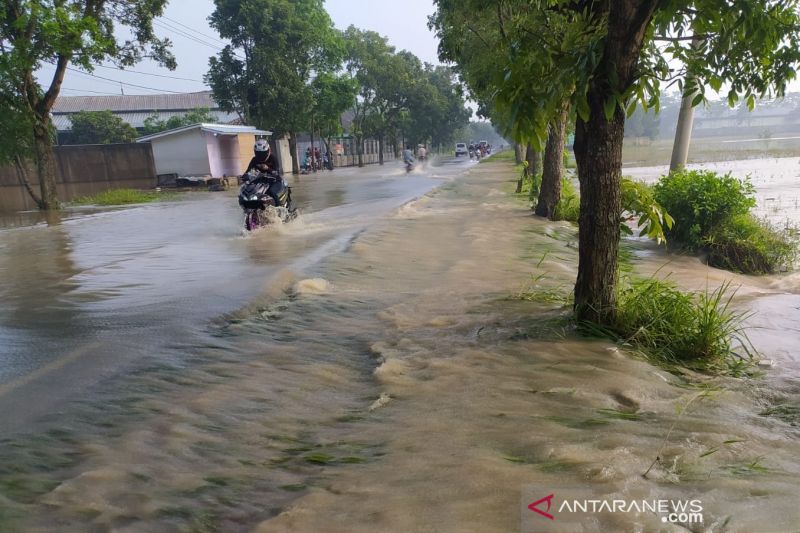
403	22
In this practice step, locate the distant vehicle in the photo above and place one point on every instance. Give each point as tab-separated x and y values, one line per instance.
461	149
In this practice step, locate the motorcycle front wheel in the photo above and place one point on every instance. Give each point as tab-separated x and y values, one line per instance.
251	221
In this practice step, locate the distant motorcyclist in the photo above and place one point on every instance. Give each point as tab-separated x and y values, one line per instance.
408	155
265	162
421	152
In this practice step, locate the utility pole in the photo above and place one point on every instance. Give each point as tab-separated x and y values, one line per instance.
683	131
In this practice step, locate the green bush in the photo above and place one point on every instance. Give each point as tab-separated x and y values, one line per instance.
712	213
697	330
698	200
569	205
746	244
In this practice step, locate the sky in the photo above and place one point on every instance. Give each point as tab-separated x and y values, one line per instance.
185	23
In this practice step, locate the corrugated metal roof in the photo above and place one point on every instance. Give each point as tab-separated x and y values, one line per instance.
139	102
62	122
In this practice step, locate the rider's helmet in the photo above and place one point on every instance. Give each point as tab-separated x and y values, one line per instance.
261	147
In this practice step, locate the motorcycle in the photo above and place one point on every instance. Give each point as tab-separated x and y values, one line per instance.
257	202
409	166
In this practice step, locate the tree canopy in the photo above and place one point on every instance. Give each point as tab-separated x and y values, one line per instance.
100	127
153	124
64	32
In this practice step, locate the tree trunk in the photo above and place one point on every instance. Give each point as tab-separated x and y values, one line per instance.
327	141
293	150
313	157
553	171
534	160
360	150
380	149
598	153
22	176
519	156
45	164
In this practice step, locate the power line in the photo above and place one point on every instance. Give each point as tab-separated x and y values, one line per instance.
87	91
178	31
149	74
193	29
182	33
113	82
122	82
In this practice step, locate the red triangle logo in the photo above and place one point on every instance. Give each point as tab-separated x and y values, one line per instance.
546	514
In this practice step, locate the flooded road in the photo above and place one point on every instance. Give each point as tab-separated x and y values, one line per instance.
379	367
95	290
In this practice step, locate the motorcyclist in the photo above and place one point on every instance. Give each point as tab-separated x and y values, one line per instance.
264	161
421	152
408	155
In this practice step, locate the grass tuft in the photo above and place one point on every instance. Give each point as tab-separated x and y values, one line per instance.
749	245
695	330
121	197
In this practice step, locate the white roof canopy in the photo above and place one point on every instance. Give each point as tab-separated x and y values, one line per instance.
216	129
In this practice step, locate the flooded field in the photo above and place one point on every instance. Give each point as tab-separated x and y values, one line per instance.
371	368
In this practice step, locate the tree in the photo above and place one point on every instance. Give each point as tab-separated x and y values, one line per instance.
367	55
81	32
396	81
265	74
331	95
604	55
437	111
100	127
198	115
16	131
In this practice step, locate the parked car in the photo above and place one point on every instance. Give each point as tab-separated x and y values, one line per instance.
461	149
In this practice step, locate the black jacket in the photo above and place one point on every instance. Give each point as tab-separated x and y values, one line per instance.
271	162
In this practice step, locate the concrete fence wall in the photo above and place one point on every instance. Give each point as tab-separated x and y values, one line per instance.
83	170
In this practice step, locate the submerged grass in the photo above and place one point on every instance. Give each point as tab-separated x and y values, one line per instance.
670	327
121	197
700	331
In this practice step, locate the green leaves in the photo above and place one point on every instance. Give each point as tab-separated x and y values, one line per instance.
100	127
153	124
278	47
639	203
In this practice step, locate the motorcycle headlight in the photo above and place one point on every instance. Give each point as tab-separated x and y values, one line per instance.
254	197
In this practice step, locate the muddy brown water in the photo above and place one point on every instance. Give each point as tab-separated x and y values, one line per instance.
369	369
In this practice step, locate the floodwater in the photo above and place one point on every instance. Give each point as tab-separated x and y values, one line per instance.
367	368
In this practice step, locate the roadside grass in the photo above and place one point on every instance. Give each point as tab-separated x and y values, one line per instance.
751	245
665	325
696	330
122	197
502	155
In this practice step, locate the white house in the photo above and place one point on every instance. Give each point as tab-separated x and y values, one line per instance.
212	150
